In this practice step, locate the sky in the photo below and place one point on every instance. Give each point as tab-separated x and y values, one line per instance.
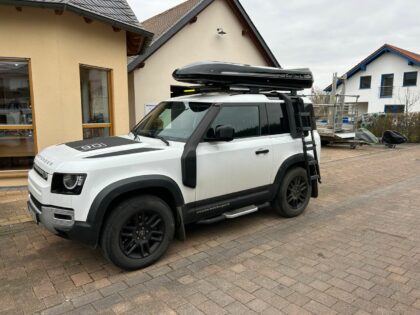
323	35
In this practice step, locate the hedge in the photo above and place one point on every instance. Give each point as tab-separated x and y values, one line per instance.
407	124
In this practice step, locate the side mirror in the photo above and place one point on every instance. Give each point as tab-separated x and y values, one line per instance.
224	133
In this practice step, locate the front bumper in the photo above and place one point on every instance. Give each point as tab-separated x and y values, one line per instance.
61	221
54	219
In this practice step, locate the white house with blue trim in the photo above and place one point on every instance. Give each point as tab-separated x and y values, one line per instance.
383	80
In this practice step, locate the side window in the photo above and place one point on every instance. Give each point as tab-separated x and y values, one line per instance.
278	122
245	119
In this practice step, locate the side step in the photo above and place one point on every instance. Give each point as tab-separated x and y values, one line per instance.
240	212
233	214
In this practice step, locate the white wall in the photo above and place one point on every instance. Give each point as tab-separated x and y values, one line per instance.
386	64
195	42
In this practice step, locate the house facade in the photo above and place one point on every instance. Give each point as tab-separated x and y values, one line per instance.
63	75
195	30
386	81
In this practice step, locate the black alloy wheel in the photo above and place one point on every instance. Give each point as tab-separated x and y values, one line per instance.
294	193
297	192
142	234
138	232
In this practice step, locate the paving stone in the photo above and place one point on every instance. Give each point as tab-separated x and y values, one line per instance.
352	252
258	305
237	308
86	299
107	303
113	288
58	309
44	290
81	278
318	308
220	298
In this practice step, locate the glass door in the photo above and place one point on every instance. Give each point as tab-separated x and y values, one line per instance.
17	147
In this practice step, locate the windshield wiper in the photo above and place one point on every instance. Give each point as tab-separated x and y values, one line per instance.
152	135
136	134
162	138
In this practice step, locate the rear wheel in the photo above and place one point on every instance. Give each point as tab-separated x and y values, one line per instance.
294	193
138	232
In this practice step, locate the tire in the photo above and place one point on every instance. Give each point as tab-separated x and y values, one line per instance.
291	200
138	232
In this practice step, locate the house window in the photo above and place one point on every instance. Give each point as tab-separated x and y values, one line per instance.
365	82
17	147
387	85
394	109
410	78
96	102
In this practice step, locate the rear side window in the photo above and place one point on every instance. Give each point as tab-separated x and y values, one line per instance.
245	119
277	120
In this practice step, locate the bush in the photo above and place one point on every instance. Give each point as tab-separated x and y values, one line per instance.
407	124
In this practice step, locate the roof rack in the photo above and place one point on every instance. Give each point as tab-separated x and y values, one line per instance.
222	76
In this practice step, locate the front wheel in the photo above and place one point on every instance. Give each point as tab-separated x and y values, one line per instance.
294	193
138	232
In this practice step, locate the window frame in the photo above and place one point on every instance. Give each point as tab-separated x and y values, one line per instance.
23	172
381	88
409	72
370	82
109	125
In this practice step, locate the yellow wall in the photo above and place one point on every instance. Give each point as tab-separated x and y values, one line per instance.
56	45
195	42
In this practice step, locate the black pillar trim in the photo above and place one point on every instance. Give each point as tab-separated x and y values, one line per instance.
189	156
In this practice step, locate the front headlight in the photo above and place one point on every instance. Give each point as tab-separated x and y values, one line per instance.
68	184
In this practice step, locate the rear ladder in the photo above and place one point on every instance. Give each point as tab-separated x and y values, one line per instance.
305	124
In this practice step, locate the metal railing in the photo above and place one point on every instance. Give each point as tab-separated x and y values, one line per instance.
386	91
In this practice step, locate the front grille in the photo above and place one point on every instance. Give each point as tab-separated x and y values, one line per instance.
37	204
40	172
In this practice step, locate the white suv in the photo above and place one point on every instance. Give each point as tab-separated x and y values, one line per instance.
194	159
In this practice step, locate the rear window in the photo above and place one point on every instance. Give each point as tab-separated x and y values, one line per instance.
277	119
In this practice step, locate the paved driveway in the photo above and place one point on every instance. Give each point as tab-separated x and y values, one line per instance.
355	250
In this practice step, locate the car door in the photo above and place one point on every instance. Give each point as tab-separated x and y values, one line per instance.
240	165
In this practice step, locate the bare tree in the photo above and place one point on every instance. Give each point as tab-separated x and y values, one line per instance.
409	98
318	96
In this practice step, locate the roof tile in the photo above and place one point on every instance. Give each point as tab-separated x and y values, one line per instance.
161	23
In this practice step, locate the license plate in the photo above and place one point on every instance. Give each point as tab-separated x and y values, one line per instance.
33	214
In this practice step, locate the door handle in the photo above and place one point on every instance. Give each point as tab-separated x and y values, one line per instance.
262	151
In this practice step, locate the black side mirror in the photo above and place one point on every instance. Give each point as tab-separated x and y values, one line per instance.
224	133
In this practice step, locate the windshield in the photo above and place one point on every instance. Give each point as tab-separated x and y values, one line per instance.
172	120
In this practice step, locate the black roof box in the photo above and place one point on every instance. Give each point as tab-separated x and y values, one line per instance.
231	74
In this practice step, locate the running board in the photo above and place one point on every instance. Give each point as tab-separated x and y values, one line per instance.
240	212
233	214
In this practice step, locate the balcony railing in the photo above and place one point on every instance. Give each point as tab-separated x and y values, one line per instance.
386	91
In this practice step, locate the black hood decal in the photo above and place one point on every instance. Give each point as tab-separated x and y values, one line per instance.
125	152
99	143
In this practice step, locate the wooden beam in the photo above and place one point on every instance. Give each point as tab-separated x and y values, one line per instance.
87	20
58	12
116	29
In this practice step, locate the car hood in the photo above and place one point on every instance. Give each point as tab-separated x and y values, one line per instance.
52	157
